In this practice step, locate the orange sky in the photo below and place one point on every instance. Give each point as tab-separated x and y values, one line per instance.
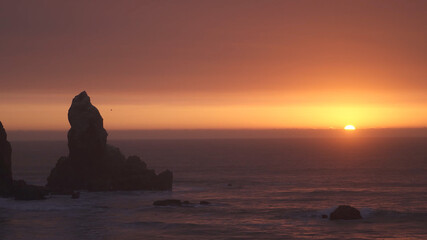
215	64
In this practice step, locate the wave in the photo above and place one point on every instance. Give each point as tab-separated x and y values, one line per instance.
42	206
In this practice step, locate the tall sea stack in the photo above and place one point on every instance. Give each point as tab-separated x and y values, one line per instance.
18	189
94	165
6	182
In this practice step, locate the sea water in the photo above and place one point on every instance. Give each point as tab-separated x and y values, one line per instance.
258	189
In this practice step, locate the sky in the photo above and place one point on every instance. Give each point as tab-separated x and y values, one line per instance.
215	64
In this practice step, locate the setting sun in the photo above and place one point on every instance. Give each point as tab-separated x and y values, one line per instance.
349	128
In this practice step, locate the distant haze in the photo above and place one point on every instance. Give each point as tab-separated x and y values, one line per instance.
225	134
215	64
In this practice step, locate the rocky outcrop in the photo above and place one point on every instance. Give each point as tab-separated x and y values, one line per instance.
345	212
6	182
24	191
9	187
94	165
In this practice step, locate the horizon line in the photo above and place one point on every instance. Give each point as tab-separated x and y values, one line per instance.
225	129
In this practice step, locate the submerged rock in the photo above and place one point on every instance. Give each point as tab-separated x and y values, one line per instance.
345	212
9	187
94	165
177	203
168	202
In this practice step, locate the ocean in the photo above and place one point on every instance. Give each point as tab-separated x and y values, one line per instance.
258	189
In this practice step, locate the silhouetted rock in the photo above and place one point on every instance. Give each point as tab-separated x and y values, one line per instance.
345	212
9	187
24	191
204	203
324	216
94	165
65	192
164	180
168	202
6	183
75	195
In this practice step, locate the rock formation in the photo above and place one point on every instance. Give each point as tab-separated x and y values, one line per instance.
168	202
24	191
94	165
9	187
345	212
6	181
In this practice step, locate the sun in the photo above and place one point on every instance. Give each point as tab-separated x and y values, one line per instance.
349	128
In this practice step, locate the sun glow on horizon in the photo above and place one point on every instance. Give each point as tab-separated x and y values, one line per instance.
349	128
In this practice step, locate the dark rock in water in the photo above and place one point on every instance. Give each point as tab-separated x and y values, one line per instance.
229	185
75	195
94	165
168	202
164	180
6	183
65	192
24	191
204	203
9	187
345	212
324	216
186	202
